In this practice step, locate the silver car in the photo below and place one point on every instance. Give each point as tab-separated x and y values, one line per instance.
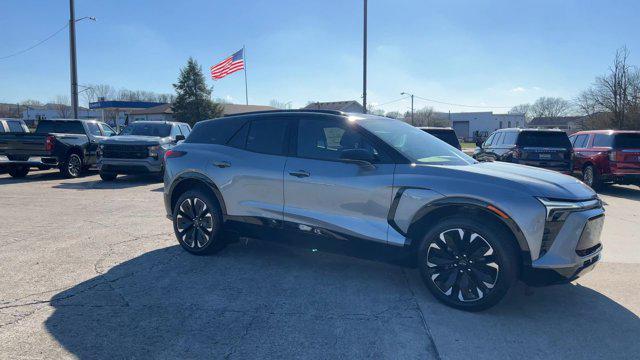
371	183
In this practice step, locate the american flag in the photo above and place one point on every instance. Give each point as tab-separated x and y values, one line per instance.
228	66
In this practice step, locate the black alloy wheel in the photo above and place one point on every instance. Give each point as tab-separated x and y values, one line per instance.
196	223
18	171
72	167
467	264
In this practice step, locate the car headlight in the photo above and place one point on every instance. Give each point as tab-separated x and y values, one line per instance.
153	151
559	209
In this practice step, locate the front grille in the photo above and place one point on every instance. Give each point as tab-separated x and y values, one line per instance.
125	151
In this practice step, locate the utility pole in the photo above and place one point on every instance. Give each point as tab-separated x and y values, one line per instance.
364	62
404	93
72	55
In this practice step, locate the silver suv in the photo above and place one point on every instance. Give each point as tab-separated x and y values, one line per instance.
471	228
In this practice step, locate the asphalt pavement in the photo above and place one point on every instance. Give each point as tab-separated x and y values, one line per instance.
91	269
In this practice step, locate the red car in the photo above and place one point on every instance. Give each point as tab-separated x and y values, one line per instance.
607	156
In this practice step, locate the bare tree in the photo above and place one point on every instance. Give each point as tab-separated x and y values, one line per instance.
421	117
522	109
615	95
31	102
280	104
550	107
61	105
393	114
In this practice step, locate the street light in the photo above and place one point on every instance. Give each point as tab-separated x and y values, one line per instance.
72	56
404	93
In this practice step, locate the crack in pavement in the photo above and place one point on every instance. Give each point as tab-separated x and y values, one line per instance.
434	348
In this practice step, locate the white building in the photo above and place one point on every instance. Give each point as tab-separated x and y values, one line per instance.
469	125
32	113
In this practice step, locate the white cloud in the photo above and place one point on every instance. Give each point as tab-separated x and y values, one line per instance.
518	89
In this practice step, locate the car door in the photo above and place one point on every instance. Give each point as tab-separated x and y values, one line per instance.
95	135
580	151
326	195
249	169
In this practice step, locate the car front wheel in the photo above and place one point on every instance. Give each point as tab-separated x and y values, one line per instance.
467	264
108	176
196	223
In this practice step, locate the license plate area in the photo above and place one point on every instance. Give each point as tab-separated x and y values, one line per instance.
544	156
590	237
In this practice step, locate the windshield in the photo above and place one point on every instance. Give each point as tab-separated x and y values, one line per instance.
147	129
415	144
628	141
555	139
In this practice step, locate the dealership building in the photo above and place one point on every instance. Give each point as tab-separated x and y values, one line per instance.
470	125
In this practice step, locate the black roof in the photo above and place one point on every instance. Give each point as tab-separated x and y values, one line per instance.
332	112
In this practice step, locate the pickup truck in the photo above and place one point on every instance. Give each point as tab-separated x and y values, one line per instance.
68	144
11	126
139	148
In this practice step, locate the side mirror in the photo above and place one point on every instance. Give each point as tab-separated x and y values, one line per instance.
180	138
359	156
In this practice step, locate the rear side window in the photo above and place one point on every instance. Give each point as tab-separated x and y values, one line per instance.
628	141
510	138
216	131
267	136
581	141
61	127
15	126
555	139
239	140
602	140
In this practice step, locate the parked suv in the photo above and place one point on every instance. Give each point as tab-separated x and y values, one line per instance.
607	156
447	135
332	177
139	148
549	149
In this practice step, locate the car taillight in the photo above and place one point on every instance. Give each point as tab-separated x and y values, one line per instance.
49	142
612	156
174	154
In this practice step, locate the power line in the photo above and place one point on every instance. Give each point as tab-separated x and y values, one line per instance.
463	105
34	46
392	101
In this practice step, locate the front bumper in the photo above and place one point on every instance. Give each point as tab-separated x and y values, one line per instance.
130	166
575	250
622	178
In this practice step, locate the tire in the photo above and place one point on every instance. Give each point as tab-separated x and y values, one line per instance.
591	177
108	176
199	239
19	171
72	166
473	268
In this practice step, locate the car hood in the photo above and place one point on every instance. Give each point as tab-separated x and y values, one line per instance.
535	181
135	140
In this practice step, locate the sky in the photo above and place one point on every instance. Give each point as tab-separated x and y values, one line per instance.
487	54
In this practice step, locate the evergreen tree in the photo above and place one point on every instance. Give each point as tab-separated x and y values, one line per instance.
193	97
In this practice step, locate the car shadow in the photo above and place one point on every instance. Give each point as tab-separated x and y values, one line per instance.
624	192
122	182
262	300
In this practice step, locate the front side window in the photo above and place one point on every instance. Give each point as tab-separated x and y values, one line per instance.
267	136
147	129
416	145
107	130
93	129
326	139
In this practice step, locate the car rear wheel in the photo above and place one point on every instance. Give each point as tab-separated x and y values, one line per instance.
591	178
196	223
108	176
19	171
72	166
467	264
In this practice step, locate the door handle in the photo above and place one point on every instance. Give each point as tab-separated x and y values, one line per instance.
300	173
222	164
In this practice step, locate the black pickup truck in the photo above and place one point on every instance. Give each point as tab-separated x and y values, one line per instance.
67	144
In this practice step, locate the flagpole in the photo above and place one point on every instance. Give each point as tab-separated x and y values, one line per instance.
246	90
